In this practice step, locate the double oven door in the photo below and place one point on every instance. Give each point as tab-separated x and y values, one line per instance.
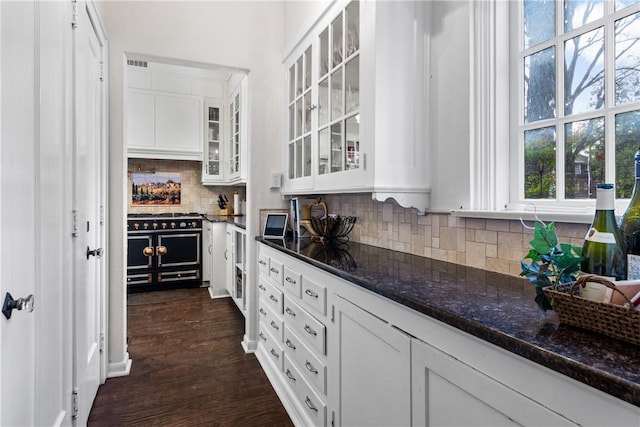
164	259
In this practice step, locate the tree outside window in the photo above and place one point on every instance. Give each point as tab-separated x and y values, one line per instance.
571	111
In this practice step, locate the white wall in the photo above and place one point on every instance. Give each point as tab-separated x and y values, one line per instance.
241	34
299	17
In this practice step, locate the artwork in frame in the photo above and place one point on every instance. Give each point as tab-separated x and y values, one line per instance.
155	188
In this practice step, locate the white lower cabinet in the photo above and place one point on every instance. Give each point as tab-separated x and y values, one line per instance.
373	362
370	368
441	385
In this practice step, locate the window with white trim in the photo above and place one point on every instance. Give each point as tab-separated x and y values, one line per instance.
576	93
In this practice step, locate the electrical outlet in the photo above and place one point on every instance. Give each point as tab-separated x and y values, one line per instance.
276	180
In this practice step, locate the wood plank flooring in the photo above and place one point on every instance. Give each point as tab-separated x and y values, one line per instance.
188	369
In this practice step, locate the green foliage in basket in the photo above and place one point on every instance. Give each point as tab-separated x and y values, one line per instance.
551	263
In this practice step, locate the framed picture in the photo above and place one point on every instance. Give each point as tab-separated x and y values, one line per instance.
155	188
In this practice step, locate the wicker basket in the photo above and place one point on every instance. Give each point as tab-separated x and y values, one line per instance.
616	321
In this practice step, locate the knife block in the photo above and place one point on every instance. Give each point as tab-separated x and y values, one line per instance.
226	212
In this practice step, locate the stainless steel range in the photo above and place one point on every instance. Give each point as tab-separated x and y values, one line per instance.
164	251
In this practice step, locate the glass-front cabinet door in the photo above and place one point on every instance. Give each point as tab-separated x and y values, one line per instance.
234	135
212	170
339	93
356	96
301	107
323	104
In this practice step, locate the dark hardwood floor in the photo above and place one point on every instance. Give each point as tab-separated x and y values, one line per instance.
188	369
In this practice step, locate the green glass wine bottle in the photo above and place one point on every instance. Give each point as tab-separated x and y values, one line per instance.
630	227
603	250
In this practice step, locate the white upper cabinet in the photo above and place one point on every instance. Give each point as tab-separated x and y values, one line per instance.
225	148
356	116
186	113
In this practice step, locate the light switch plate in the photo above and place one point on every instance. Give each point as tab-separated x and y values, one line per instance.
276	180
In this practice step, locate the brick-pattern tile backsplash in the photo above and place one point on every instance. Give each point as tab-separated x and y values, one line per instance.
195	196
490	244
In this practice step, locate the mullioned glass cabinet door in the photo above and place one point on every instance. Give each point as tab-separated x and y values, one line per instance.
212	166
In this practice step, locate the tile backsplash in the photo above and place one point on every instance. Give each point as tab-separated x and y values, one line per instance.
195	196
490	244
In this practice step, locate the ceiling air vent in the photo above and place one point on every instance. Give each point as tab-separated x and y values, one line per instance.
136	63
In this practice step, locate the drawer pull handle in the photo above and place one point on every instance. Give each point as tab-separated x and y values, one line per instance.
272	298
273	270
262	262
310	331
290	344
274	326
275	353
310	367
264	313
290	280
290	312
262	287
290	375
261	335
310	404
311	293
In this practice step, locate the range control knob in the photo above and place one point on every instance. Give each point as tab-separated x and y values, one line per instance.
155	225
164	225
193	224
172	225
145	225
136	225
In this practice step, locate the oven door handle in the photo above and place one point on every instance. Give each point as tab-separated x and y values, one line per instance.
161	250
147	251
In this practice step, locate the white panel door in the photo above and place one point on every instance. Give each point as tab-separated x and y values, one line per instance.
88	265
370	369
18	186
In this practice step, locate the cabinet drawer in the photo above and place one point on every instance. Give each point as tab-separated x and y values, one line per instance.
313	369
270	295
263	264
310	402
292	282
276	271
271	346
272	321
311	329
314	295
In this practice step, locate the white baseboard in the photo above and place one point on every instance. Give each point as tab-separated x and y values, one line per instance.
119	369
248	345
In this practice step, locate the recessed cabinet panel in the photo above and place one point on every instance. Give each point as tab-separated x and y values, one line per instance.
140	119
173	83
139	78
178	122
441	385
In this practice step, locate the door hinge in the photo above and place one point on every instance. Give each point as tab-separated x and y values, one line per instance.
74	223
74	402
333	313
101	71
333	418
101	342
101	214
74	16
364	161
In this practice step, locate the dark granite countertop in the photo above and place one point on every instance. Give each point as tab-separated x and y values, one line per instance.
497	308
240	221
